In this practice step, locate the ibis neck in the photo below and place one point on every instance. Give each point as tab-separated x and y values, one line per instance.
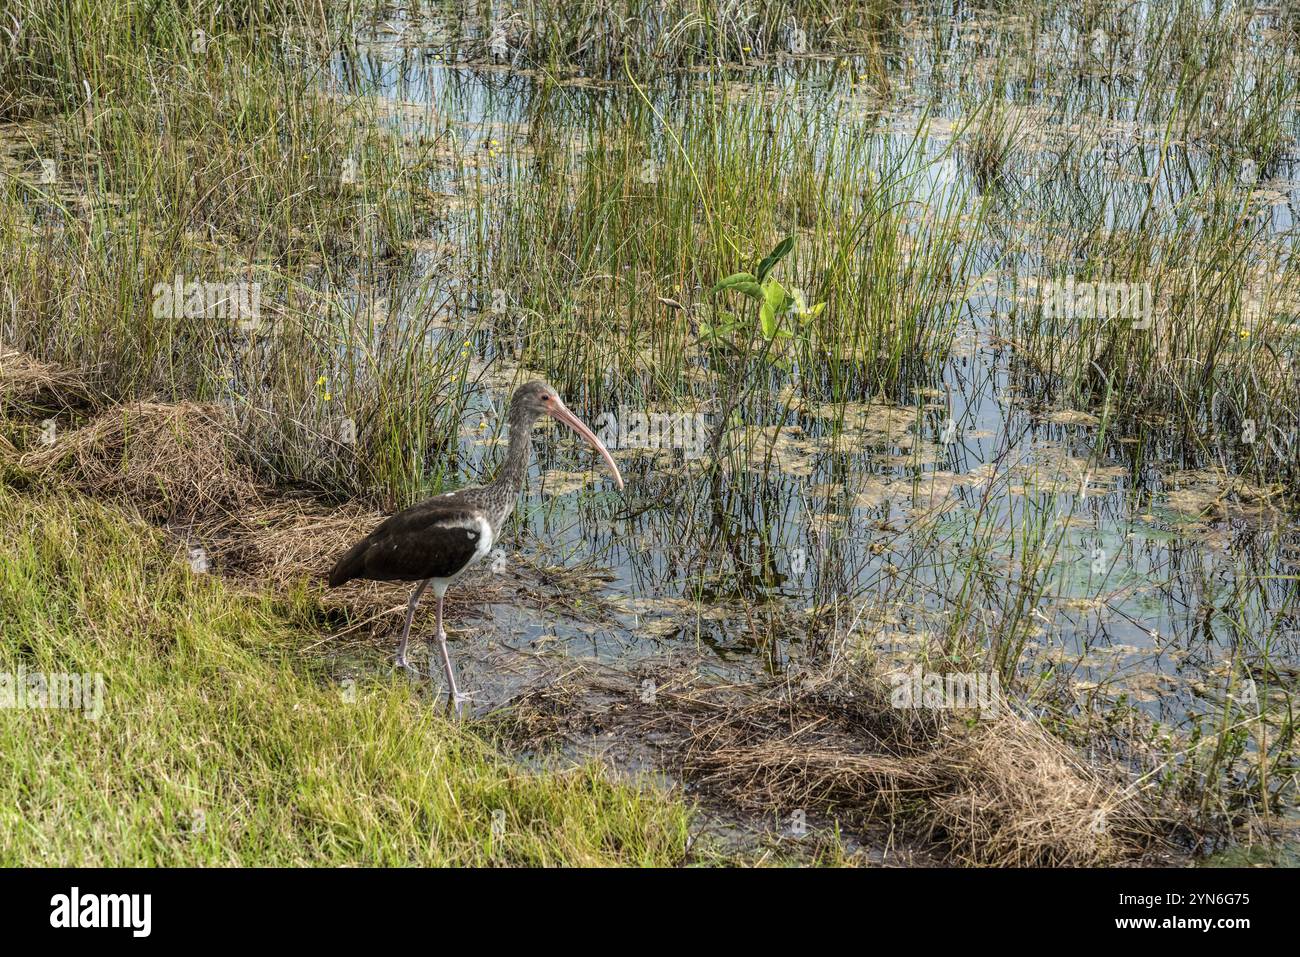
510	475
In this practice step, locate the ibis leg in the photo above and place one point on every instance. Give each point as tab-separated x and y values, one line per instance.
406	631
453	696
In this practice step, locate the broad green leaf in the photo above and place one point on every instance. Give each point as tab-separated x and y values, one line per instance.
742	282
775	256
736	277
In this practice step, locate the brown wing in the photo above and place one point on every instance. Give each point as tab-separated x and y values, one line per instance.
431	540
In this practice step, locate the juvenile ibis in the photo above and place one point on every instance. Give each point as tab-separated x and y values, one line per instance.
438	540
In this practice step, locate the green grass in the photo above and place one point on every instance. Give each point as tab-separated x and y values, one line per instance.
227	163
232	162
655	35
222	743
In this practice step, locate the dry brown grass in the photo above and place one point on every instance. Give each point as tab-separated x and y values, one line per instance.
174	463
1012	795
28	385
998	792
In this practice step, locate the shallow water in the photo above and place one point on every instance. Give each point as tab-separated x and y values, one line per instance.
857	525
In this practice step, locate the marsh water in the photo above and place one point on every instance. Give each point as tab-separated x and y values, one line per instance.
867	521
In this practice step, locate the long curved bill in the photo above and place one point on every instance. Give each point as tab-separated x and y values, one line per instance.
562	414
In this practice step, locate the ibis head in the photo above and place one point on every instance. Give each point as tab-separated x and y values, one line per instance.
535	399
